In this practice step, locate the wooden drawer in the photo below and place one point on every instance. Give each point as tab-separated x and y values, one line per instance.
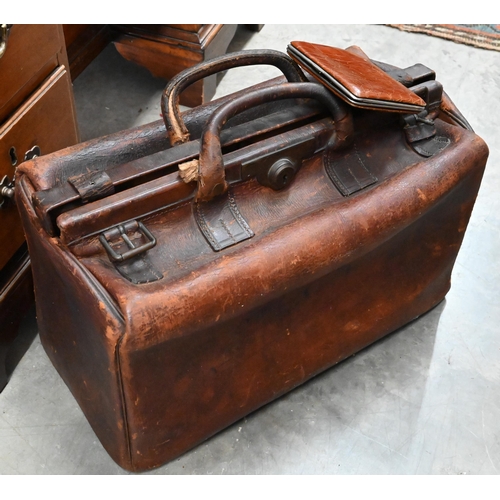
47	120
33	51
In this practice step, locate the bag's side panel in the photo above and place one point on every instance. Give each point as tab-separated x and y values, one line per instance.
182	391
79	329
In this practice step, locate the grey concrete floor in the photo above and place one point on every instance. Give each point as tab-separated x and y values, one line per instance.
423	401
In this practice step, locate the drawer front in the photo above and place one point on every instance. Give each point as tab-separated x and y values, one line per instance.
33	51
47	120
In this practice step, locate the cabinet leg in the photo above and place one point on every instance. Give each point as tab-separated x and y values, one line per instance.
16	300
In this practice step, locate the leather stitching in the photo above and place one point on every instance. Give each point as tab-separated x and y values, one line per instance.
228	231
205	228
442	140
237	215
333	176
365	168
341	186
153	271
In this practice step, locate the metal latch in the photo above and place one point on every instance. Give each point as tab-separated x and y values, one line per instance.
120	233
277	169
6	190
420	129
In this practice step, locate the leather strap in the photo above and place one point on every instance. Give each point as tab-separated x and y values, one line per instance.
430	147
349	175
221	222
128	257
92	186
138	270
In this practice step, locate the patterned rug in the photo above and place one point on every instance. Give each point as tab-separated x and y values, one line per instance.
485	36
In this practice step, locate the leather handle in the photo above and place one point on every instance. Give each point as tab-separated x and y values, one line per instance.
211	176
177	130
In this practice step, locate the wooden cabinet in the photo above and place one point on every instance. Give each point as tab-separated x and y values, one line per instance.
167	49
164	49
45	122
37	116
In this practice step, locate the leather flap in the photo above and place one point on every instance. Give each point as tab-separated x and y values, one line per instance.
354	78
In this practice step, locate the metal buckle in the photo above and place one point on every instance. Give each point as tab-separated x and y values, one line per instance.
120	231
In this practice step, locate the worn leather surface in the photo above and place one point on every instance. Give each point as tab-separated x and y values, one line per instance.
357	74
85	353
451	114
92	186
153	166
170	190
226	332
159	367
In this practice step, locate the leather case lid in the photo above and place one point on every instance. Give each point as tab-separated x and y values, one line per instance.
353	78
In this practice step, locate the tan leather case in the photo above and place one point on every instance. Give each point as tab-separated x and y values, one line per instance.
251	287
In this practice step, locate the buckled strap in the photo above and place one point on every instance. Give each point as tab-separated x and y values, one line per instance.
220	221
120	233
138	270
131	263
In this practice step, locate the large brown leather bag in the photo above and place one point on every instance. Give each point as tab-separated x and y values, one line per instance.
307	228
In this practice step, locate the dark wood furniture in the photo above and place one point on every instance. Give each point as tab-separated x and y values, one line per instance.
164	49
37	116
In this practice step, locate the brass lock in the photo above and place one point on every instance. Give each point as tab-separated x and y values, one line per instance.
4	35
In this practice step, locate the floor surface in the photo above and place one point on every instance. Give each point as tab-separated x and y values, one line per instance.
423	401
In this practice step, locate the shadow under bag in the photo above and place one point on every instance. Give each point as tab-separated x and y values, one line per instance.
189	271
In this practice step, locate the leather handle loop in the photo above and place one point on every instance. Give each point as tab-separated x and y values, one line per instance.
177	130
211	175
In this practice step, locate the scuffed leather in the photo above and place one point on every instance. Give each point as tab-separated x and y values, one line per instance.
159	367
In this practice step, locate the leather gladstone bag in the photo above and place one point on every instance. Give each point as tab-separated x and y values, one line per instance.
188	273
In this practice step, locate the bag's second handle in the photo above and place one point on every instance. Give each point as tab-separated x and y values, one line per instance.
211	176
177	131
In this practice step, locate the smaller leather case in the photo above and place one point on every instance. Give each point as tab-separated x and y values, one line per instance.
354	79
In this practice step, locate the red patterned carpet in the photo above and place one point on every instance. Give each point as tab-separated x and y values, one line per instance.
485	36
